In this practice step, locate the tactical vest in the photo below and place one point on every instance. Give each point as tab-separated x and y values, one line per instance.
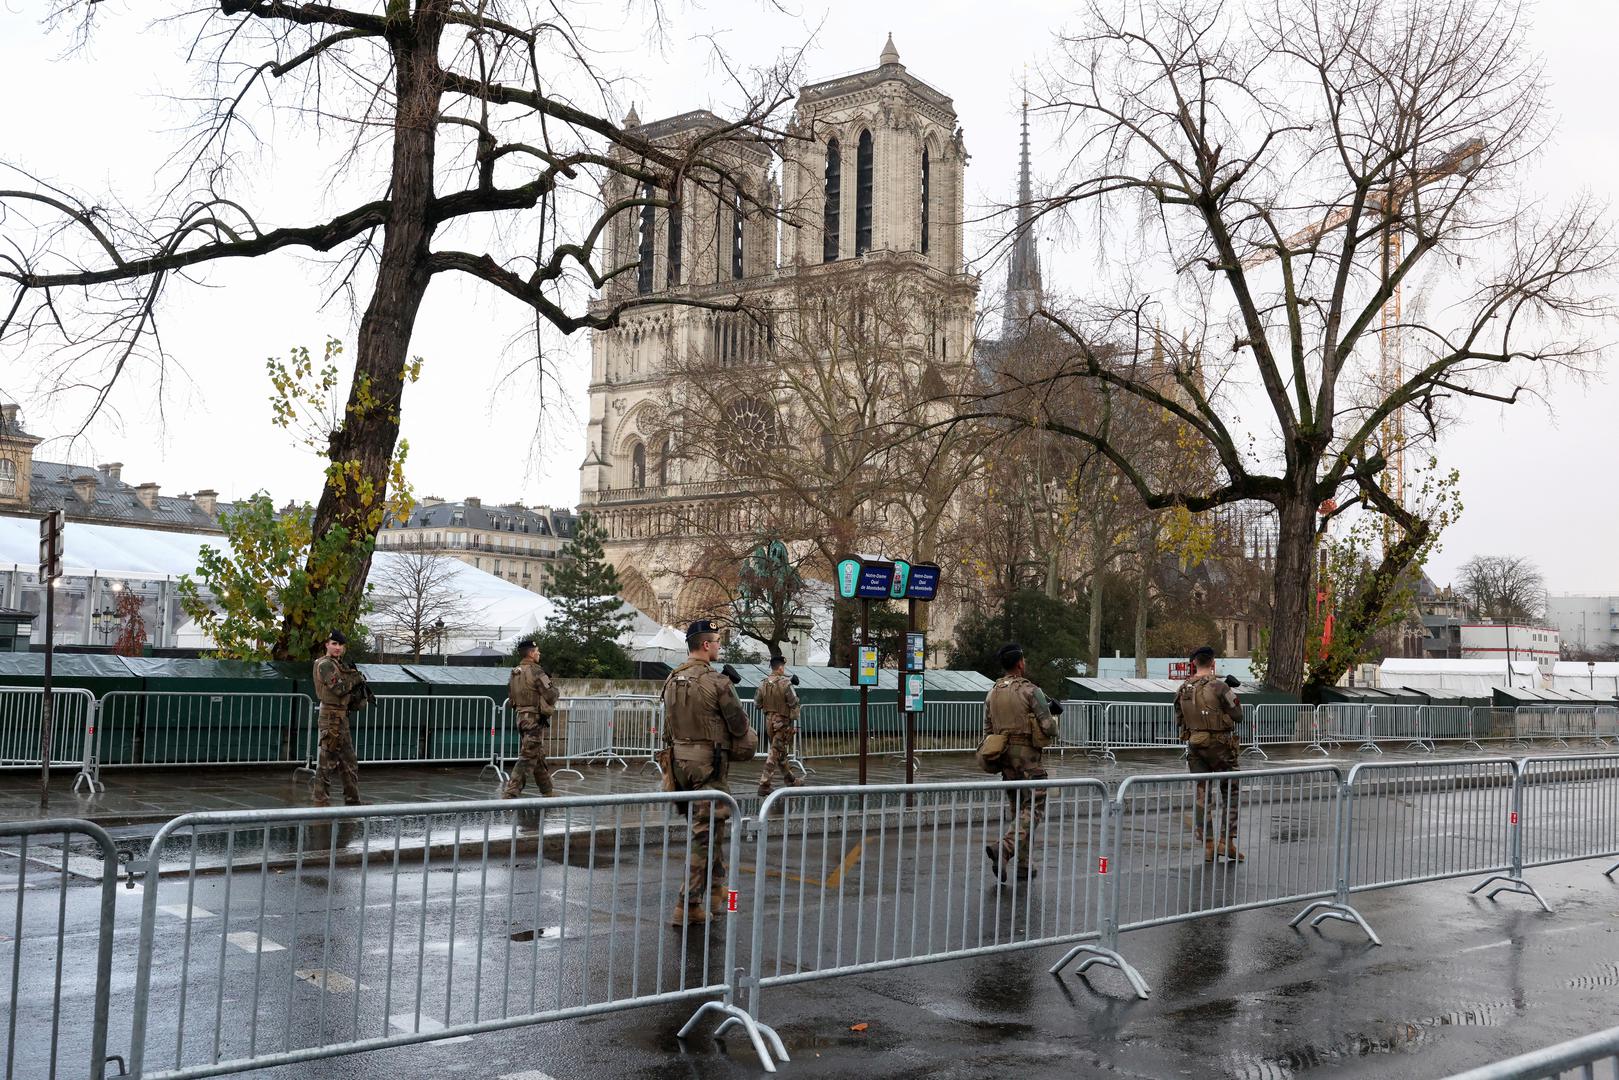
1009	709
689	714
772	696
1201	707
522	688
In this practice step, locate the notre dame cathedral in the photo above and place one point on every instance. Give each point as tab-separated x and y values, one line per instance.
871	176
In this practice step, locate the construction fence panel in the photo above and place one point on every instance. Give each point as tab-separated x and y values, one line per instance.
1450	723
1407	822
298	935
856	879
1493	722
166	728
1076	724
949	727
1344	724
1537	722
61	880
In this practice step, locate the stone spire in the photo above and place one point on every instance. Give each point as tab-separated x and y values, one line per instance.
630	119
1024	289
890	55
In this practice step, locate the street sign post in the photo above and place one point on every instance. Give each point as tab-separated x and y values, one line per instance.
50	569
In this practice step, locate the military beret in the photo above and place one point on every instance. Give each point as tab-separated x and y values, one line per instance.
526	644
698	629
1009	655
338	636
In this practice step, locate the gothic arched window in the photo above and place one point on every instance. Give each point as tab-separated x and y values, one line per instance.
926	192
643	273
638	466
674	245
862	195
8	478
736	235
830	217
663	463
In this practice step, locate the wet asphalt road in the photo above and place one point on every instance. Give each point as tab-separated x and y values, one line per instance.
1240	996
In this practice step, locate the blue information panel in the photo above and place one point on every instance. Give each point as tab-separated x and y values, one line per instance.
911	694
865	665
875	580
916	651
924	583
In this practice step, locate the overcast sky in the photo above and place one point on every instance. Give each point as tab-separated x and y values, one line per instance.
1537	479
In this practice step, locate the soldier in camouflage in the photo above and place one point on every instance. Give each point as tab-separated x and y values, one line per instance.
778	700
337	685
1017	708
534	696
1207	713
702	719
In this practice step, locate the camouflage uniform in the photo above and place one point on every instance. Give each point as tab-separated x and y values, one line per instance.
1017	708
778	700
335	686
1207	713
702	717
534	697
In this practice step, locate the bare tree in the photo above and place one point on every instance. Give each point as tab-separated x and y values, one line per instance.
417	601
1505	587
1285	169
832	442
468	137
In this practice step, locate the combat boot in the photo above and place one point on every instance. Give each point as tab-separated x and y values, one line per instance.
688	915
1228	848
993	852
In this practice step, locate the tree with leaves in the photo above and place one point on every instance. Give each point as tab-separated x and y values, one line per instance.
1265	180
1051	631
131	624
466	138
581	639
272	572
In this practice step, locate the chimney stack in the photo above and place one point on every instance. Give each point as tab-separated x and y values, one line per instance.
474	502
113	470
84	486
147	494
208	501
8	415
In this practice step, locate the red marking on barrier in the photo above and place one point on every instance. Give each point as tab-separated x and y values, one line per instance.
1515	817
1101	865
730	900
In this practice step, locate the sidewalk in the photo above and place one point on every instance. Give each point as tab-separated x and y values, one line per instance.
149	797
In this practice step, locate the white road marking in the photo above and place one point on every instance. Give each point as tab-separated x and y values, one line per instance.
180	911
532	1074
248	941
408	1022
335	982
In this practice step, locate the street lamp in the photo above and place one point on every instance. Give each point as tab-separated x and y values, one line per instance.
104	620
438	637
1591	673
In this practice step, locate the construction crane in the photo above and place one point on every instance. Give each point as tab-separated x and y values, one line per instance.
1391	354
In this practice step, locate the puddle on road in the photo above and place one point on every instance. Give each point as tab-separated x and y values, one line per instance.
1399	1037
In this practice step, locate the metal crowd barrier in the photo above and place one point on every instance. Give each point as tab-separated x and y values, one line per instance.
166	728
410	729
1450	723
858	879
1278	725
1577	1059
73	722
1133	726
453	920
1569	809
55	1019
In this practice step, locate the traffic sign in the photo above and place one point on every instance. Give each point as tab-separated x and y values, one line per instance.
50	545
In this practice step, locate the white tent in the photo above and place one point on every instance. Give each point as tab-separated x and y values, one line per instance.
1465	678
1600	678
666	646
498	612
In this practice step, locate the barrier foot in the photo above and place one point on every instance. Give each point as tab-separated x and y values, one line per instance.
1257	751
568	768
1332	909
1317	748
1473	745
92	785
1368	745
1510	884
500	773
1107	958
1608	873
757	1032
652	762
304	770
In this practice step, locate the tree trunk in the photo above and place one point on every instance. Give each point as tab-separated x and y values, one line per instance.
1142	575
1292	580
1093	644
362	448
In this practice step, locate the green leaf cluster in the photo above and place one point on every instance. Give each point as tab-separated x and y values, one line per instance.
273	569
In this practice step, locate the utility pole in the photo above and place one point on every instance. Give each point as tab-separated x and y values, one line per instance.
50	570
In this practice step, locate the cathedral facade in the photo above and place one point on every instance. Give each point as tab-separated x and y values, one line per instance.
868	180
